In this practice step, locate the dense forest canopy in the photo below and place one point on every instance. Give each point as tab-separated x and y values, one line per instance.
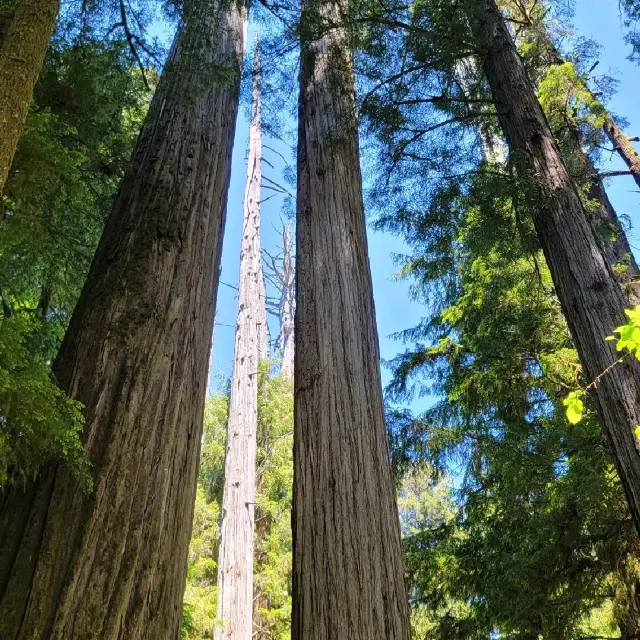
420	416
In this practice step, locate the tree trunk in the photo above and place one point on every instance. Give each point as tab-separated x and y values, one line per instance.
6	16
287	294
111	564
623	146
24	46
615	243
605	220
617	251
589	293
235	560
347	556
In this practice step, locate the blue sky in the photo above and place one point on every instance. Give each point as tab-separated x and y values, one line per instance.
394	309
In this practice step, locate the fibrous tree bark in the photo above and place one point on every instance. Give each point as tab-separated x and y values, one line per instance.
22	52
605	220
281	274
235	558
348	579
591	298
111	564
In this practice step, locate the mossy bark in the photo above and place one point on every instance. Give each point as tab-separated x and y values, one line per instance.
111	564
24	45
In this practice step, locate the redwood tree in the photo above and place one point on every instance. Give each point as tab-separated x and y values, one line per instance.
591	298
347	555
235	558
111	563
23	46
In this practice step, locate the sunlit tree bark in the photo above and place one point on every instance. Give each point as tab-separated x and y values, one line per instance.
111	564
347	556
235	559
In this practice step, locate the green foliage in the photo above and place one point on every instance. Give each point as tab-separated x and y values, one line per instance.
87	109
629	334
542	528
199	607
273	509
628	340
575	406
38	422
272	565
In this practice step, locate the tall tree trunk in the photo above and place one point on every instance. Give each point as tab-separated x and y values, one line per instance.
235	559
348	579
111	564
24	46
287	295
589	293
618	250
605	220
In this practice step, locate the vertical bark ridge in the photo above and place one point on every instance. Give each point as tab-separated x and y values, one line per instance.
111	564
23	47
347	557
591	298
235	558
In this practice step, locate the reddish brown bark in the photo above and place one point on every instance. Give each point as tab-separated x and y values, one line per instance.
111	564
347	556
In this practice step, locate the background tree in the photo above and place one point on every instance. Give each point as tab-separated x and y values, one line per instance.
23	47
235	563
272	575
559	224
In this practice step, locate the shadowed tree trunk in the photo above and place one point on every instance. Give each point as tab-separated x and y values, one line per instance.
24	39
348	579
235	559
605	220
111	564
591	298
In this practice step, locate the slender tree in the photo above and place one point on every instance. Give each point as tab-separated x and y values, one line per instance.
347	557
111	563
287	297
589	293
235	560
23	43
